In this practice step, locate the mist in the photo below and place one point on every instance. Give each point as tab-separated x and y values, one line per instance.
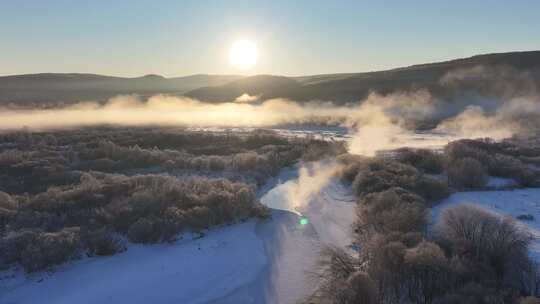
312	178
380	122
296	193
175	111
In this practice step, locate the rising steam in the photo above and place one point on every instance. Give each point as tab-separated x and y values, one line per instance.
312	178
378	123
295	194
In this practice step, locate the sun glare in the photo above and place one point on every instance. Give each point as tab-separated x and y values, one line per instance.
243	54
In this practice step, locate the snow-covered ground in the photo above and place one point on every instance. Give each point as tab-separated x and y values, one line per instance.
300	131
507	203
419	139
500	183
189	271
254	262
292	252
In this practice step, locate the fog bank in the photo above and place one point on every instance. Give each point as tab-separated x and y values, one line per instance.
376	123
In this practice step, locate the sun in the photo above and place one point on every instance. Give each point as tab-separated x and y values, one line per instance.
243	54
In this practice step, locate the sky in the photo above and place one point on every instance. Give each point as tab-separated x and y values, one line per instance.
174	38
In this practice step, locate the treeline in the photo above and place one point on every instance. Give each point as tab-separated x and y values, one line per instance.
69	193
32	162
469	256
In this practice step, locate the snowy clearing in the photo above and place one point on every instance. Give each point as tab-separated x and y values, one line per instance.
224	259
508	203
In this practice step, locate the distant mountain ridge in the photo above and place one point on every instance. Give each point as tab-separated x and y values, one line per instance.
351	87
73	87
57	88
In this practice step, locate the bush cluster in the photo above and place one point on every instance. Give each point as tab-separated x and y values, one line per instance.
507	159
426	160
471	256
68	193
36	250
144	208
376	175
33	162
467	173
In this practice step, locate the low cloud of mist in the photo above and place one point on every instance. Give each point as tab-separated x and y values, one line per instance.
379	122
473	123
517	116
374	129
176	111
503	81
496	102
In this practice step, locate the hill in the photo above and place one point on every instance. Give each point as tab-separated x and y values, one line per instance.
55	88
343	88
485	75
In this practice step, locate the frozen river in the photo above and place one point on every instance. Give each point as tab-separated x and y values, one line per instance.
268	261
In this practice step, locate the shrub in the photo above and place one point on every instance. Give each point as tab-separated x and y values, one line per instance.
101	243
466	149
380	175
48	249
504	165
486	238
318	149
409	239
511	167
7	202
432	190
337	267
473	293
527	177
392	210
388	256
426	253
467	173
10	157
151	230
199	218
350	171
13	244
427	272
216	163
500	159
422	159
352	164
359	288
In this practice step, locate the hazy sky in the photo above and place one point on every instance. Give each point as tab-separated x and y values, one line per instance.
174	38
